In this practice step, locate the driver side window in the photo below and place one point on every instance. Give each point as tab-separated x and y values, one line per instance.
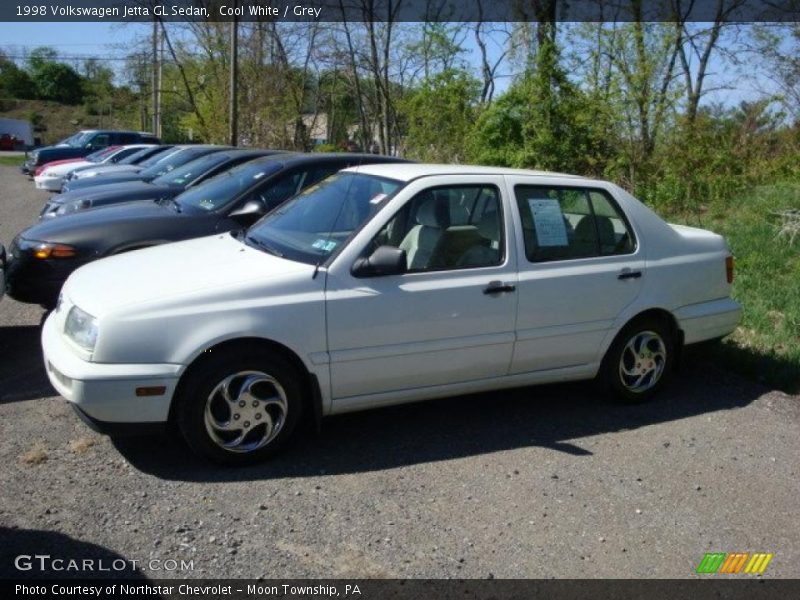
283	189
451	227
101	140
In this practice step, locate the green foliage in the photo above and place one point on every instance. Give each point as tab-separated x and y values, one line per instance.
58	82
327	148
14	82
439	115
724	152
496	138
767	270
544	122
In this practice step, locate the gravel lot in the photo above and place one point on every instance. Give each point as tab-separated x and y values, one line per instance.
536	482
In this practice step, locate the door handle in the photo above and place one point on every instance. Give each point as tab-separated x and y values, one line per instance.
498	287
628	274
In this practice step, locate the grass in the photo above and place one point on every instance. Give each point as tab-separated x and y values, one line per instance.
766	345
11	161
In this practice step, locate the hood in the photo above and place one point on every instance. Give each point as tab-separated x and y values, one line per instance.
109	169
72	228
54	163
135	189
59	152
109	178
215	264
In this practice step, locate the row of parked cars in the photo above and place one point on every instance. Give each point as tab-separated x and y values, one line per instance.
236	293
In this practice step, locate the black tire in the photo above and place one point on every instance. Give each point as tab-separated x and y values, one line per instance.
195	394
616	383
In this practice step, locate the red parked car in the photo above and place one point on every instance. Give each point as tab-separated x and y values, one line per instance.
8	141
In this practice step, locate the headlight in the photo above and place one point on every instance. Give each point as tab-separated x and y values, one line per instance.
71	207
81	328
46	250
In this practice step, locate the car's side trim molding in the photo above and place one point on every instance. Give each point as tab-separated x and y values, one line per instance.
456	343
559	330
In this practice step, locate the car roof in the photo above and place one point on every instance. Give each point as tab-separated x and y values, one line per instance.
254	152
409	171
310	157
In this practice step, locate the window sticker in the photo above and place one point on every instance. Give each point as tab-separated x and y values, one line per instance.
377	198
549	222
208	204
324	245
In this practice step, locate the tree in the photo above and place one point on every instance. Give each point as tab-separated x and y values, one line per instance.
439	115
776	52
14	82
58	82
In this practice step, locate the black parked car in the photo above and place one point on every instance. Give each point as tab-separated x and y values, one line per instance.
2	271
166	186
179	156
43	256
83	143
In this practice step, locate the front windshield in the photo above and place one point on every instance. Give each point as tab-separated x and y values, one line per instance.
100	154
79	140
132	158
162	154
183	176
171	162
68	141
220	190
317	221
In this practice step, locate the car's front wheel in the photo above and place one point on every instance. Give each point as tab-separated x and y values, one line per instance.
639	361
240	407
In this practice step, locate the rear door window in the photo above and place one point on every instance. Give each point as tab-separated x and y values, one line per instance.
565	223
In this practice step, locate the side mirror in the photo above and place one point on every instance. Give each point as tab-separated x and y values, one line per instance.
249	211
386	260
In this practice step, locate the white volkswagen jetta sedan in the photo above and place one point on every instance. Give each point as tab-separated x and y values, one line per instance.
382	285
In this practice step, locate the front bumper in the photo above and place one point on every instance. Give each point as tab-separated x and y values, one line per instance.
36	281
106	393
708	320
51	184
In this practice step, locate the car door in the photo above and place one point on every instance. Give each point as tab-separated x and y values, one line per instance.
99	140
580	266
448	319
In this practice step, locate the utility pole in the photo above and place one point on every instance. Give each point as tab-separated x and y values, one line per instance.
160	81
154	82
233	112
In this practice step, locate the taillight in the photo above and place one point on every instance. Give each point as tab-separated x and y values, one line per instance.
729	268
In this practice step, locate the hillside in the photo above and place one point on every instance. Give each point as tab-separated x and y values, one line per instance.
53	121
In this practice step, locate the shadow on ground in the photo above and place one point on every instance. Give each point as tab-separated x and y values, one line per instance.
22	374
545	416
27	544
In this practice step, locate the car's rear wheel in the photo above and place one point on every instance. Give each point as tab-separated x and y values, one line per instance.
240	407
640	360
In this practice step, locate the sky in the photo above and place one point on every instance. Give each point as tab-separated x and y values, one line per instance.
109	39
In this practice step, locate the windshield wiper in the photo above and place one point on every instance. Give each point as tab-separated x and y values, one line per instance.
250	240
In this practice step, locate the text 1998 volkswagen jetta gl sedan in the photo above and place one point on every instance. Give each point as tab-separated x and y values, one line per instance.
381	285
